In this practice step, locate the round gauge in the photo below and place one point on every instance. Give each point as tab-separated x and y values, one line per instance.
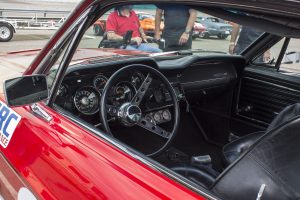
137	79
86	100
99	82
166	115
124	92
62	90
157	117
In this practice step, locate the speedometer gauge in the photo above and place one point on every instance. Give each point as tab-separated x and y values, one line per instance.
86	100
99	82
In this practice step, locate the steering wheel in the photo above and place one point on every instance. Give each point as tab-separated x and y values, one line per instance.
130	113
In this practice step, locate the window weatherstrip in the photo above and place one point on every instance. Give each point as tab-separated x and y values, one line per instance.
282	52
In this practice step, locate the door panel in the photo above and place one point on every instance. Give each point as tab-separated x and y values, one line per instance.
263	94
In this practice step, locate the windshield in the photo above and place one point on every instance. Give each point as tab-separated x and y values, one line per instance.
152	29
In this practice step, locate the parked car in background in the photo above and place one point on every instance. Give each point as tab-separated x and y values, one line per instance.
147	22
7	31
215	27
199	30
99	25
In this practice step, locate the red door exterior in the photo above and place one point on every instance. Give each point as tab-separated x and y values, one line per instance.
60	160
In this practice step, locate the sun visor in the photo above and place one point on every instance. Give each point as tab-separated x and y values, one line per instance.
282	26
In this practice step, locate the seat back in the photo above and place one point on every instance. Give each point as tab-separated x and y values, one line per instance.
286	114
274	160
235	149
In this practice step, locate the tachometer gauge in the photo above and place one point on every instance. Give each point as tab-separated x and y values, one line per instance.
137	79
99	82
86	100
124	92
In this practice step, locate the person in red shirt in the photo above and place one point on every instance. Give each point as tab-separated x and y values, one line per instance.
122	20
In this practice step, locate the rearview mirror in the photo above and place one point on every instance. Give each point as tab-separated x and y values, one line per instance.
26	90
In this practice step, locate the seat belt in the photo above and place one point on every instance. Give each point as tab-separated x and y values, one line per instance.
261	191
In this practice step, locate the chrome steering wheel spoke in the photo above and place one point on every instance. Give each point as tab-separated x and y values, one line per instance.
138	97
152	127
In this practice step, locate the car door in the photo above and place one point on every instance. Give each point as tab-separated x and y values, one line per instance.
267	89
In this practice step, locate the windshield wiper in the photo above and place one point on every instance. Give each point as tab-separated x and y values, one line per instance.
186	52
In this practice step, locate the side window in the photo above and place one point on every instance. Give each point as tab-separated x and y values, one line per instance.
62	46
290	61
54	69
291	58
270	57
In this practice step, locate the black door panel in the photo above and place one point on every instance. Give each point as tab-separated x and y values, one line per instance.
263	94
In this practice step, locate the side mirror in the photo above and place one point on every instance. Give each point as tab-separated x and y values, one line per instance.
26	90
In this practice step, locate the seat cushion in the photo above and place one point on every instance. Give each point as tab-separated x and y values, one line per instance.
272	161
233	150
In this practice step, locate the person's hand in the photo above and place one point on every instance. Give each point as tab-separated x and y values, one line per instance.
183	39
231	49
267	56
138	40
145	38
157	36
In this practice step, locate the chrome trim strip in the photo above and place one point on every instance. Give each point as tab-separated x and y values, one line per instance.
272	84
205	80
40	112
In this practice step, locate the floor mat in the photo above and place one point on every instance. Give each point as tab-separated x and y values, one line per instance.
190	141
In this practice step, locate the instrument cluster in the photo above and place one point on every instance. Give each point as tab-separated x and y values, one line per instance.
87	97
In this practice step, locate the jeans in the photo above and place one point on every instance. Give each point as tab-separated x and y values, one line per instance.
144	47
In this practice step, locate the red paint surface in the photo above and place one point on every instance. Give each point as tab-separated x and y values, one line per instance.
10	181
60	160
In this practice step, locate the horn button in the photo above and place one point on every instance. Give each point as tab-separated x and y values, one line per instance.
130	114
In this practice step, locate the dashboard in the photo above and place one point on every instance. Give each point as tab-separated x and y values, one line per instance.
81	90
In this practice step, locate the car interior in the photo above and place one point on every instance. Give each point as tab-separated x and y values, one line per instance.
221	121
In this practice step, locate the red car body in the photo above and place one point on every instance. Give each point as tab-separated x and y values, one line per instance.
59	159
100	26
